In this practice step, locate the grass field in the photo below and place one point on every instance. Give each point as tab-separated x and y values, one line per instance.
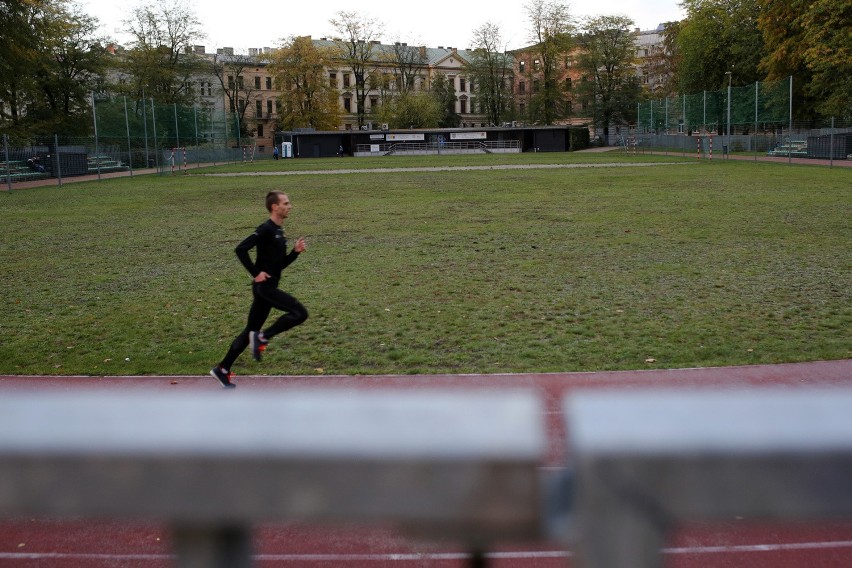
533	270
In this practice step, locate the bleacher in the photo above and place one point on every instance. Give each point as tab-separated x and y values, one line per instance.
17	170
791	148
105	164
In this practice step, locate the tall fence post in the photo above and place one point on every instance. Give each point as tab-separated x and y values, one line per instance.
129	149
195	116
790	144
154	122
97	150
57	160
8	168
831	145
177	131
145	127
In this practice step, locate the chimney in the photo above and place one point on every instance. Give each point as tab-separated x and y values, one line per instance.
253	51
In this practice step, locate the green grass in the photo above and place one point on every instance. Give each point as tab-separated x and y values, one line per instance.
535	270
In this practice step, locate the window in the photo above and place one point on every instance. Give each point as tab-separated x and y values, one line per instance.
332	80
463	104
522	108
521	66
269	107
240	82
259	130
568	84
269	83
346	79
258	109
209	88
347	104
535	86
536	64
522	87
374	102
230	81
462	85
256	82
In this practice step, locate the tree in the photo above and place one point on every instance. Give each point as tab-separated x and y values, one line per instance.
160	62
445	94
551	27
307	99
810	40
607	60
406	61
412	110
74	69
50	61
359	33
716	37
490	68
240	94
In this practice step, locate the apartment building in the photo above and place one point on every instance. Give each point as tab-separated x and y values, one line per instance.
650	65
528	79
428	62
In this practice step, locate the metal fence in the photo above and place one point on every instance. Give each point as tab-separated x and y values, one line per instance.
763	106
131	136
830	141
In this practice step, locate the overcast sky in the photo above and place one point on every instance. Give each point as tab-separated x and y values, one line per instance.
242	25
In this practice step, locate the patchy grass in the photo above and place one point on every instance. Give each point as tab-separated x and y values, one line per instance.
699	264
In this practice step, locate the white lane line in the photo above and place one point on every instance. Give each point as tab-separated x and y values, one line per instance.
408	557
450	169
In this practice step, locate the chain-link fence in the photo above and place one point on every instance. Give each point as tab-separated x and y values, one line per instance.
131	136
754	119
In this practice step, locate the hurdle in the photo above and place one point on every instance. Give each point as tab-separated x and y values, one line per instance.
645	462
435	463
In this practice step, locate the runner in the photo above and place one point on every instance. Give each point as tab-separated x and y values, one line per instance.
271	258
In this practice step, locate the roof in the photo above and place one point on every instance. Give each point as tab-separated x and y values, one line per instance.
432	55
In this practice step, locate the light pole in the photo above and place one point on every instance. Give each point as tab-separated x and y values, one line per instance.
728	146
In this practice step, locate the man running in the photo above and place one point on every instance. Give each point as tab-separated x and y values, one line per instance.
271	258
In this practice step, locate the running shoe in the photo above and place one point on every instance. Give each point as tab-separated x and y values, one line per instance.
257	344
223	376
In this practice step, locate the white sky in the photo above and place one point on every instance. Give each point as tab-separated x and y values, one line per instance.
434	23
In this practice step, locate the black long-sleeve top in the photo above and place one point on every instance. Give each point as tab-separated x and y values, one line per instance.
271	245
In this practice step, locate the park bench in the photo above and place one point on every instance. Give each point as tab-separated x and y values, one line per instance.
463	466
646	461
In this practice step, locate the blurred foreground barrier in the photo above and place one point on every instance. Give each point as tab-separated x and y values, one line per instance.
464	466
645	461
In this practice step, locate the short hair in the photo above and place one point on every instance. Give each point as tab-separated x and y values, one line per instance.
272	198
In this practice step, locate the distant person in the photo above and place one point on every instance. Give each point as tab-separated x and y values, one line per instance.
35	164
271	258
275	153
340	152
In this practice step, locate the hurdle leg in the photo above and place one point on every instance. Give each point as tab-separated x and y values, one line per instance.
212	546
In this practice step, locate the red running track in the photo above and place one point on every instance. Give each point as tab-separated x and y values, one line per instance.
736	543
